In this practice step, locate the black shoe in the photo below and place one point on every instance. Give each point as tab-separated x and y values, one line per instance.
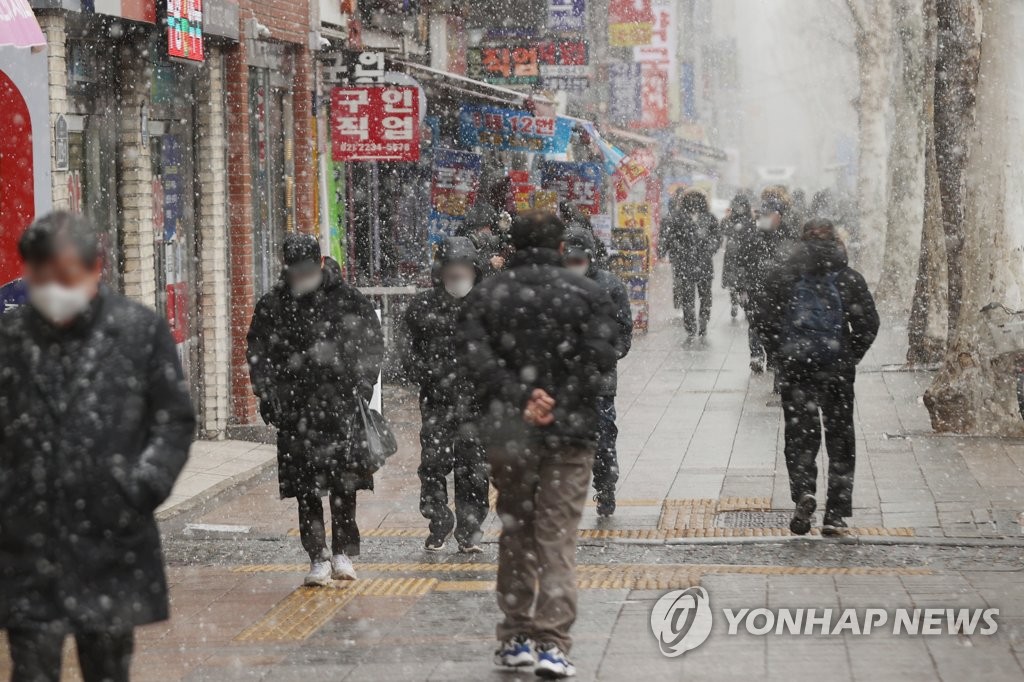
833	525
605	502
756	365
734	311
800	524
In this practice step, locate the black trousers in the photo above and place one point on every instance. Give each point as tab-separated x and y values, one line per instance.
686	288
810	402
344	531
444	450
753	338
36	654
606	460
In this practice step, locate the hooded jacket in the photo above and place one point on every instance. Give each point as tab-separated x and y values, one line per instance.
310	358
537	325
429	325
818	257
691	236
749	253
582	239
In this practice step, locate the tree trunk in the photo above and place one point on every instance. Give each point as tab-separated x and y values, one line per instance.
873	43
905	207
926	330
956	78
974	391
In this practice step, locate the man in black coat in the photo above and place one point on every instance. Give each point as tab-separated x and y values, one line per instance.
691	238
537	342
580	257
315	349
818	319
430	360
96	425
749	256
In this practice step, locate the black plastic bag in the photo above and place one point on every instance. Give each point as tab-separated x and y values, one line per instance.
377	441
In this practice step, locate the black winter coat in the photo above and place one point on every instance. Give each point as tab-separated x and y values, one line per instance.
749	254
429	358
622	313
537	325
691	244
96	425
818	257
310	359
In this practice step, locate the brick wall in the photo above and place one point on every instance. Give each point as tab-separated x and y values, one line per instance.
135	181
53	25
289	22
214	332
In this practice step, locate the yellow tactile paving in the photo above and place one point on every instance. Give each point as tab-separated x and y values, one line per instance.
307	609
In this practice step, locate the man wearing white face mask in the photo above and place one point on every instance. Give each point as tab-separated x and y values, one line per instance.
447	441
315	348
97	424
581	257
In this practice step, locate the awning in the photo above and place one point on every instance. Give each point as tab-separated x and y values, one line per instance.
477	90
18	25
629	136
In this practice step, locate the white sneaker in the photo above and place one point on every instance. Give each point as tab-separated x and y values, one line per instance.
319	573
552	663
341	568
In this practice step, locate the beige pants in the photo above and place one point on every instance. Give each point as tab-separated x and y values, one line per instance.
541	493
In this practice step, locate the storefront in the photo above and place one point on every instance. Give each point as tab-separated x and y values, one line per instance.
24	140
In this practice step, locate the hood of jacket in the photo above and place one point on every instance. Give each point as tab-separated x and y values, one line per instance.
456	250
818	256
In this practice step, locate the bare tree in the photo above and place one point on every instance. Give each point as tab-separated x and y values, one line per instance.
872	20
974	391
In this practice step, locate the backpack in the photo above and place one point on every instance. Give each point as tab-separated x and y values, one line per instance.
815	326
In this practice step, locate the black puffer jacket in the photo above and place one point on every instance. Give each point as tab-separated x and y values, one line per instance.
310	358
95	426
691	239
749	254
427	335
537	325
818	257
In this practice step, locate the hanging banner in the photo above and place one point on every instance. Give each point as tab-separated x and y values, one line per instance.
635	215
624	93
521	189
567	15
336	211
513	130
371	123
630	22
455	180
577	183
661	52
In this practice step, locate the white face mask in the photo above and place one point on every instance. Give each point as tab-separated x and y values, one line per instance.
764	223
60	304
694	216
459	288
307	284
580	269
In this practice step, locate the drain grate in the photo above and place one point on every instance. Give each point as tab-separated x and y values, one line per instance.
752	519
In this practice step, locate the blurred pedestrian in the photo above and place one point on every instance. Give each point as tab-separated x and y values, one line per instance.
580	258
749	256
97	424
487	229
573	216
447	444
314	349
819	319
773	222
691	237
538	341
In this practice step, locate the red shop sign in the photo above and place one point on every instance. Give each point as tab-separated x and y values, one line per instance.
373	123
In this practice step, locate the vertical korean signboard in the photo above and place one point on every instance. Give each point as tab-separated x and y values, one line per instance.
375	123
660	74
567	15
185	29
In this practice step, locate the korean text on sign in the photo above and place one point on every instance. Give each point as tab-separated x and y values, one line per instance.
373	123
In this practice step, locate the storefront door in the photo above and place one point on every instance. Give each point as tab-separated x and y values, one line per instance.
92	183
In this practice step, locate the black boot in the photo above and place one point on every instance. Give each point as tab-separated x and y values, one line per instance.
605	502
